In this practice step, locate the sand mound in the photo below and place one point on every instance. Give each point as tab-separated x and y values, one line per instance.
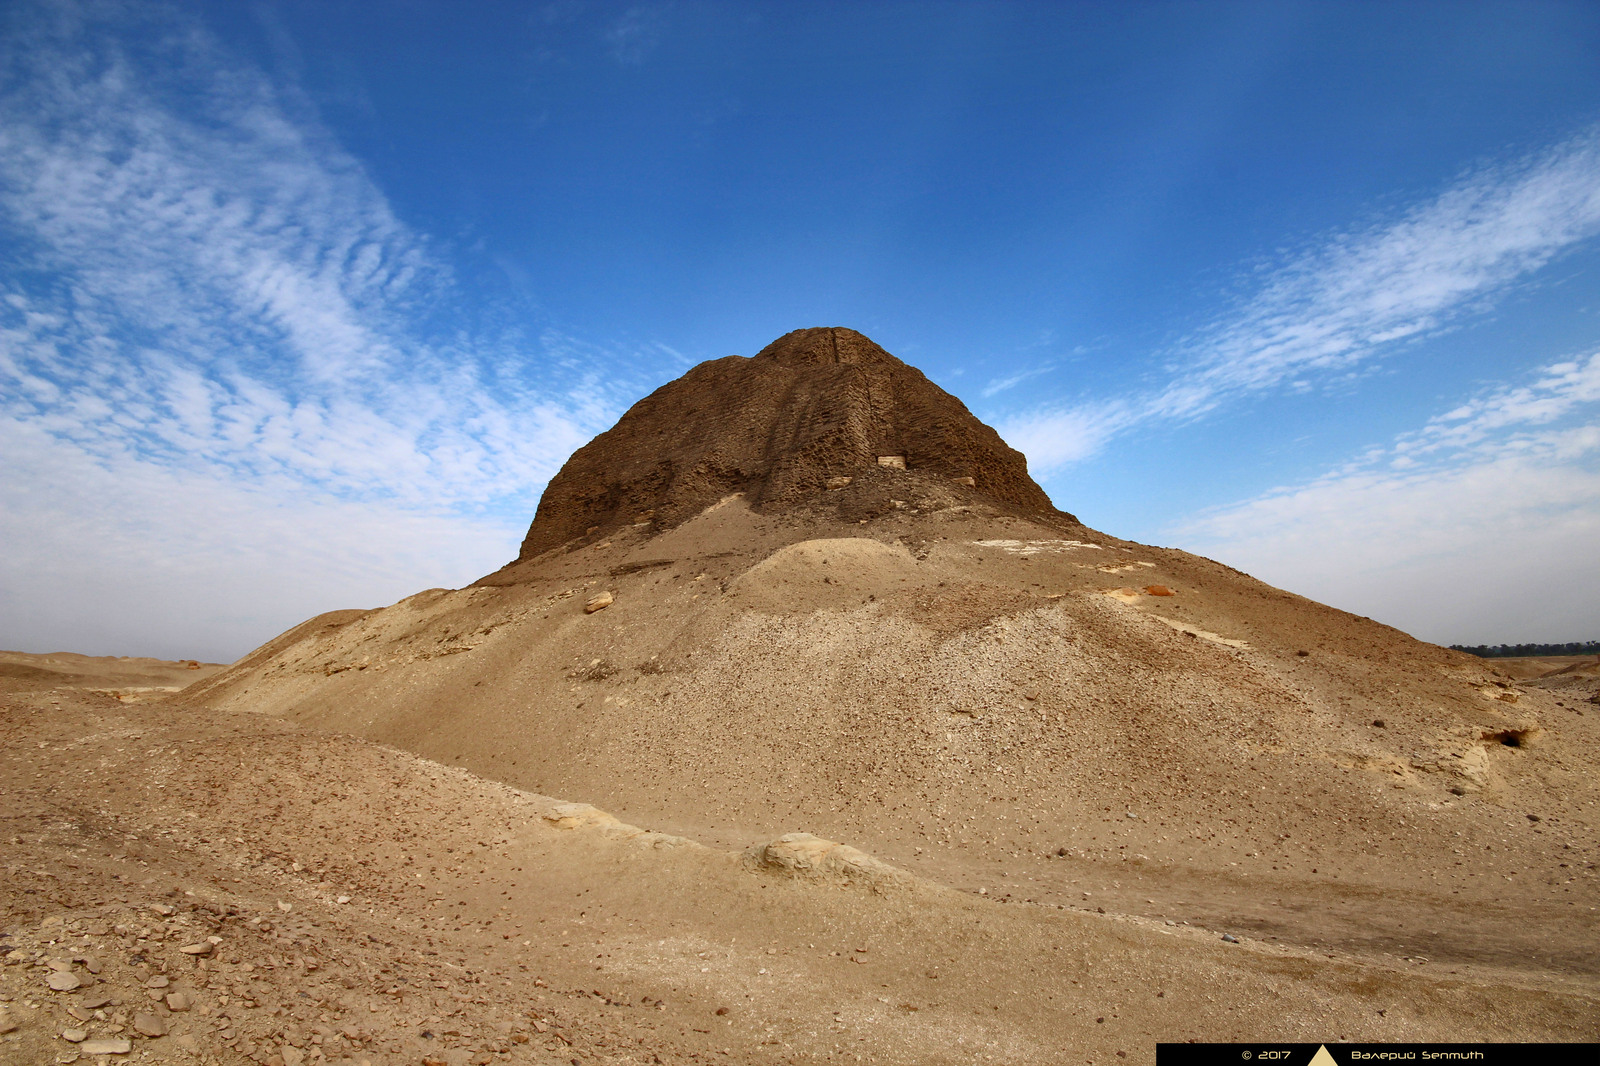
801	855
940	676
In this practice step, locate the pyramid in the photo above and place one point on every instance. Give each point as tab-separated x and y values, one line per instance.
816	410
809	592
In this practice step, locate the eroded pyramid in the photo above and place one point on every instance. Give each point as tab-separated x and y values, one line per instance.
814	407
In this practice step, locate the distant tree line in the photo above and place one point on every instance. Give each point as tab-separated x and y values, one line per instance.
1508	651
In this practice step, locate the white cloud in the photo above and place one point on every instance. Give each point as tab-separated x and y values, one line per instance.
999	385
1354	295
209	314
1053	439
1480	527
131	557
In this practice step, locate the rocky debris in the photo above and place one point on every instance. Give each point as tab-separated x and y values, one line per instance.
106	1046
63	980
811	411
807	856
150	1024
599	602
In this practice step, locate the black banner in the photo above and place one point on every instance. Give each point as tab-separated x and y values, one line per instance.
1275	1054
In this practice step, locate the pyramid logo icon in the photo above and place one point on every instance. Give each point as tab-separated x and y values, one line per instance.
1322	1058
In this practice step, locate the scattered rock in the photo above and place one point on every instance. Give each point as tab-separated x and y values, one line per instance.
1230	938
8	1024
74	1036
95	1000
599	602
292	1056
838	482
63	980
202	948
105	1047
157	982
150	1024
1157	590
179	1001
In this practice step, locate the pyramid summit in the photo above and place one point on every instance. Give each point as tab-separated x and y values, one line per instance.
816	411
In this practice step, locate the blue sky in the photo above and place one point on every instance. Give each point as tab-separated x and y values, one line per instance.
301	303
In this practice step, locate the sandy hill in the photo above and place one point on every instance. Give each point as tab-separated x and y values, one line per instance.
122	676
852	614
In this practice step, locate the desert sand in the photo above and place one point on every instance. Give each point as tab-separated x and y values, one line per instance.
766	749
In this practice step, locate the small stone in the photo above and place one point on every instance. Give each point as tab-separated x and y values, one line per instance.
343	899
106	1047
74	1036
599	602
8	1024
95	1000
179	1001
838	482
92	964
162	909
157	982
202	948
62	981
292	1056
285	907
150	1024
1230	938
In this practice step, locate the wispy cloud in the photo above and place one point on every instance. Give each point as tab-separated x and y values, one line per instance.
999	385
203	289
1355	295
634	34
1446	530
